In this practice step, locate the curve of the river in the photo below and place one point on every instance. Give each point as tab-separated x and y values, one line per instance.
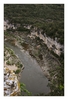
32	74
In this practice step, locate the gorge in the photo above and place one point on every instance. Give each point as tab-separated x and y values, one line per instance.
34	47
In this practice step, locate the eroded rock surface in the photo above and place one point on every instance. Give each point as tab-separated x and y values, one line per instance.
11	83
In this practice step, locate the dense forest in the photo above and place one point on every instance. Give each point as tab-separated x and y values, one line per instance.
49	17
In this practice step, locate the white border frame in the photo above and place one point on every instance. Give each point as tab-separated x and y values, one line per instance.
2	2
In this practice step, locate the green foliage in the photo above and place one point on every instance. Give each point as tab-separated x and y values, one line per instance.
8	62
49	17
57	85
11	52
5	33
17	71
24	91
23	29
33	11
19	65
61	87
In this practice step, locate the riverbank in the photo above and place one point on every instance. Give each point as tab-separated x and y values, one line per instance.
49	64
32	74
11	77
12	62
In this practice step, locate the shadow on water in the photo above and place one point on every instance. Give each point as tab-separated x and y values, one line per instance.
25	46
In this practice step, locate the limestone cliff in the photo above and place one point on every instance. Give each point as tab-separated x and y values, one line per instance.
11	83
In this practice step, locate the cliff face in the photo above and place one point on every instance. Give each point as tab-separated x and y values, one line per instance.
11	84
12	69
53	45
8	26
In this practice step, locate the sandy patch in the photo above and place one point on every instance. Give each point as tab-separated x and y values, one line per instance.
11	67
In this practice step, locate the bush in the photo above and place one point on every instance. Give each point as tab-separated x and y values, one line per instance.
8	62
24	91
19	65
17	71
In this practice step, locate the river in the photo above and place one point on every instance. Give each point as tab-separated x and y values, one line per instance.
32	74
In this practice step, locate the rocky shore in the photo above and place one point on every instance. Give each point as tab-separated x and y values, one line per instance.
11	83
48	62
12	70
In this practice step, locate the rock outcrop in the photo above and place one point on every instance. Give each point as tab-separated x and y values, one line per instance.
11	83
57	48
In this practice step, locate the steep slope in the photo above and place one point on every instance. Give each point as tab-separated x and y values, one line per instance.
49	17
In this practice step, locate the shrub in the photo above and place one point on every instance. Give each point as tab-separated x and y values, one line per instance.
8	62
24	91
17	71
